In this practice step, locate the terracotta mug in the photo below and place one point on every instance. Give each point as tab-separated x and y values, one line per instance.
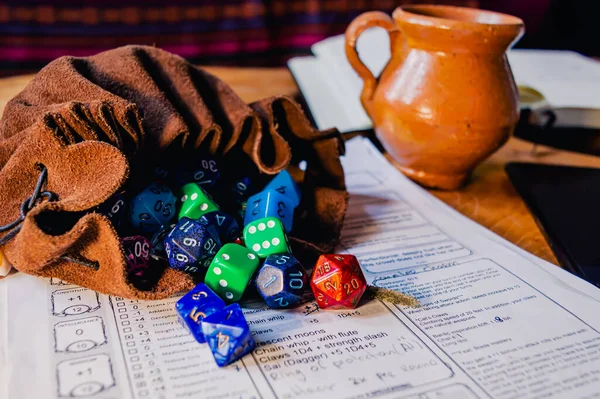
447	99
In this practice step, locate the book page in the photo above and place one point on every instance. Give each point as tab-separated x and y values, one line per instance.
567	79
310	75
494	322
373	47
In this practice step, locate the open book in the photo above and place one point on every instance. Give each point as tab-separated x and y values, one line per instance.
568	81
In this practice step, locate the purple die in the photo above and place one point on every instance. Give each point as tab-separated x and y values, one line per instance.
137	254
191	245
151	275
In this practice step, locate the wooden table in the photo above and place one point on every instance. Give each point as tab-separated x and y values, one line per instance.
489	199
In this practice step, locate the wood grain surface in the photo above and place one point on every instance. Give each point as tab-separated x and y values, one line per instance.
488	198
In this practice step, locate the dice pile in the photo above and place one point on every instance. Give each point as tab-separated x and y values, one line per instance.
206	242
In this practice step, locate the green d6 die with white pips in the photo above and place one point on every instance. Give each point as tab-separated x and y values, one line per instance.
231	270
266	237
195	202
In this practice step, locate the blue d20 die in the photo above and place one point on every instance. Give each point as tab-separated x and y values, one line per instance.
228	334
194	306
281	281
191	245
203	171
270	204
152	208
284	184
225	224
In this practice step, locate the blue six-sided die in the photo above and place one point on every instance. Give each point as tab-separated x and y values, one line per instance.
281	281
228	334
194	306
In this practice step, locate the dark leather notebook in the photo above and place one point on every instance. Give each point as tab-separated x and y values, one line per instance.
565	202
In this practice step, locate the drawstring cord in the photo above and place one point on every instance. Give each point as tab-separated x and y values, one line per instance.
15	226
38	195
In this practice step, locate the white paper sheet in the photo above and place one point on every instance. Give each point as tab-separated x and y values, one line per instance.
327	112
495	322
569	81
329	79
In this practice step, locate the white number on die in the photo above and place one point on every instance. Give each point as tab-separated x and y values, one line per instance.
141	249
189	242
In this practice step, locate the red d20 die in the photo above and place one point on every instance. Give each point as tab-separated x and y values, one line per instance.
338	281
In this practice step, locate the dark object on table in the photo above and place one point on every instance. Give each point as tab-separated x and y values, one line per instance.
565	204
578	139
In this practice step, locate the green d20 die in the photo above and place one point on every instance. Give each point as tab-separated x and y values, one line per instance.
231	270
266	237
195	202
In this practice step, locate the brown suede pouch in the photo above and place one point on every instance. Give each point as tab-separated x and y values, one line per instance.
84	127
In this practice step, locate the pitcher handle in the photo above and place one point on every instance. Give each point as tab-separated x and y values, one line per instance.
355	29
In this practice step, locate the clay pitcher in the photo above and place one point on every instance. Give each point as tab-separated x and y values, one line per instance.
447	99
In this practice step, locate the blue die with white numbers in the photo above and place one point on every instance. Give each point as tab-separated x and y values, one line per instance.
225	225
194	306
203	171
281	281
284	184
240	189
114	209
191	245
228	334
270	203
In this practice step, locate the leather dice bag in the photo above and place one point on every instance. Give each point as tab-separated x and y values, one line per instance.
86	128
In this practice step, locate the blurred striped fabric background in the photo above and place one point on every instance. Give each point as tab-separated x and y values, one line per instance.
225	32
209	32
